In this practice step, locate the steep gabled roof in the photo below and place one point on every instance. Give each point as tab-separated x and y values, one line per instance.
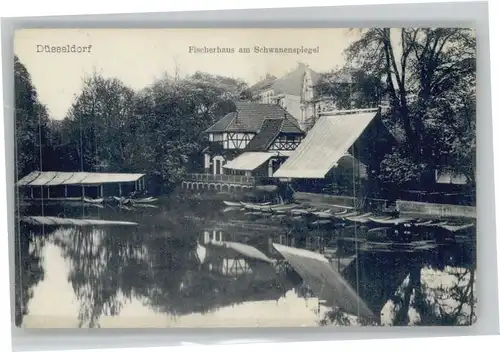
292	82
222	124
267	134
265	83
250	116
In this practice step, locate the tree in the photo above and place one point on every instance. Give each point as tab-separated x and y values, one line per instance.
351	87
430	79
98	129
157	130
31	120
171	116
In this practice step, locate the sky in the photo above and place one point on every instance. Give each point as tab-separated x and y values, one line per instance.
140	56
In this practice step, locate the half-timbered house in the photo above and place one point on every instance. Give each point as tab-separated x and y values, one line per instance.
251	141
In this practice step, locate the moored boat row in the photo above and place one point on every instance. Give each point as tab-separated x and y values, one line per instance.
120	201
333	216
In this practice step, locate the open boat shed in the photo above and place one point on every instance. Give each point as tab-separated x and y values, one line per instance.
330	144
92	182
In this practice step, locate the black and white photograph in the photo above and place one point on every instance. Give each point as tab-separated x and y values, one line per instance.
220	178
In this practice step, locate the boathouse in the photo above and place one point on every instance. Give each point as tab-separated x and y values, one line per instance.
248	143
340	150
275	140
75	185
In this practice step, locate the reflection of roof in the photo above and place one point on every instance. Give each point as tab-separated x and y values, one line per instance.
55	221
325	144
55	178
242	249
249	117
326	283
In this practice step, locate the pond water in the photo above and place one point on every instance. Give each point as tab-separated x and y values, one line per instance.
171	271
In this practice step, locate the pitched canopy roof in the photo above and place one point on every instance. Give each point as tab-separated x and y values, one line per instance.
325	144
249	161
249	117
56	178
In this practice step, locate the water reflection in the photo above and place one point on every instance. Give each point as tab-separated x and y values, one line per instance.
191	264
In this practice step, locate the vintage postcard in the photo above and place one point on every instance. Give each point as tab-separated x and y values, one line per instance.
245	177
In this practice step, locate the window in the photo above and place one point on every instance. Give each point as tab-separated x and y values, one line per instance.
286	142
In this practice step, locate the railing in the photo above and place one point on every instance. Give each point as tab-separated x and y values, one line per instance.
235	179
346	112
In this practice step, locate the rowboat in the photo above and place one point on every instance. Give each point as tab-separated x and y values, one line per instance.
228	209
232	204
342	206
93	201
321	222
344	214
423	223
308	211
144	205
254	213
378	233
390	220
268	207
379	229
266	188
323	215
456	228
144	200
363	218
278	216
283	209
430	223
122	200
95	205
254	206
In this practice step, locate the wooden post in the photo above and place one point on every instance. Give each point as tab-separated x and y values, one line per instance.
48	192
66	191
31	191
120	189
83	191
102	191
